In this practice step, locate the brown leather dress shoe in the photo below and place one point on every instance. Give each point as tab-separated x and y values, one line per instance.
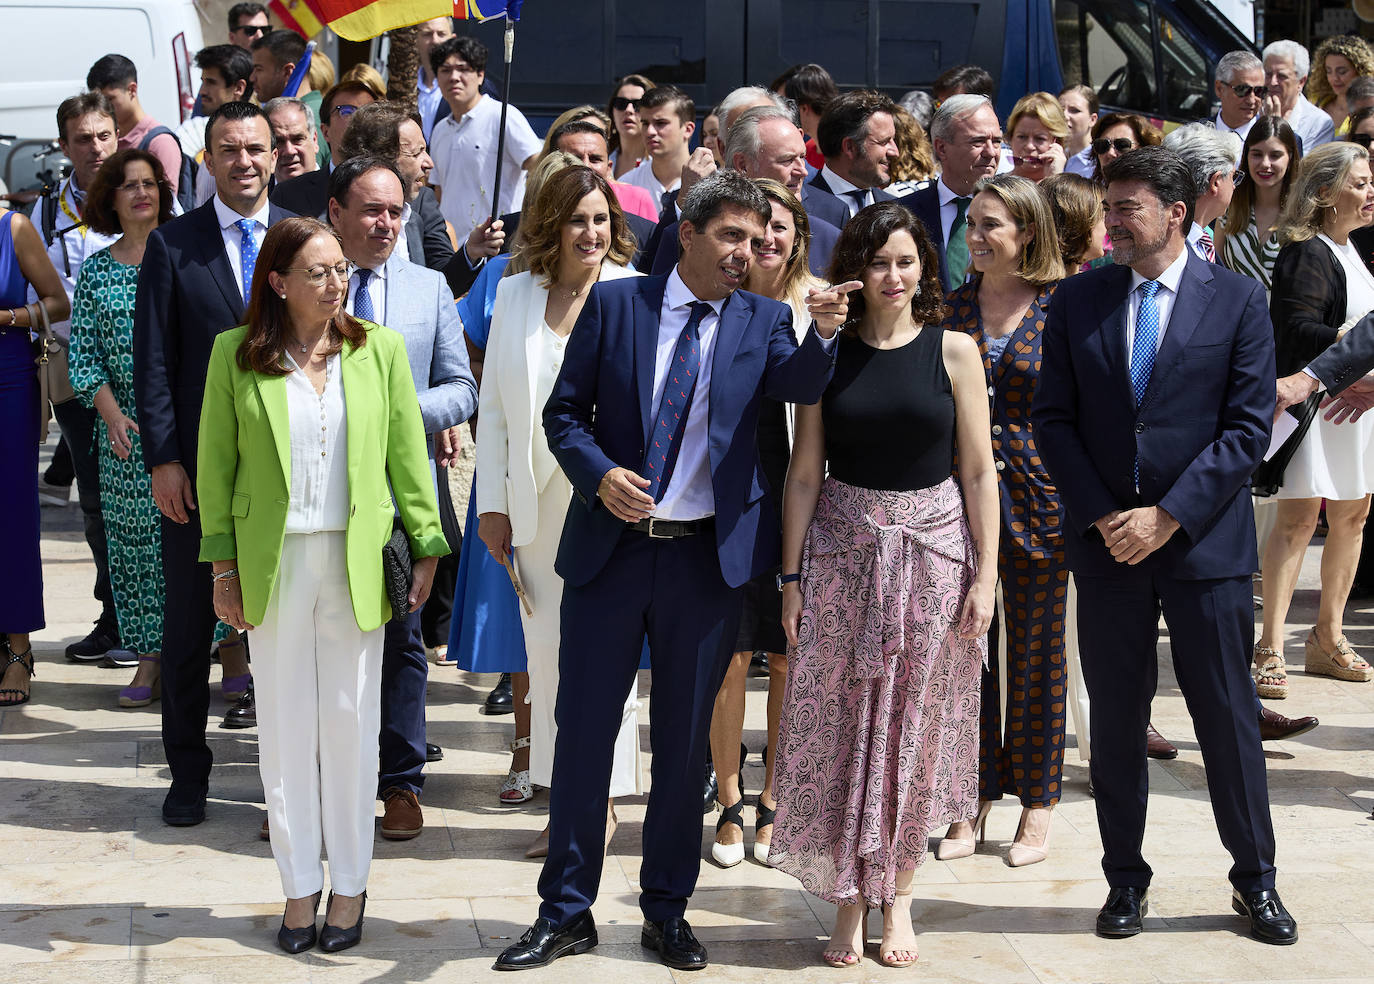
265	831
1275	727
403	818
1157	746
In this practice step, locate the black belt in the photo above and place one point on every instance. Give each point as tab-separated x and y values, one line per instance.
672	529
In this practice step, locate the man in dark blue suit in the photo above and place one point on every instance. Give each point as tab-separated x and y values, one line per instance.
1154	407
191	287
858	136
653	419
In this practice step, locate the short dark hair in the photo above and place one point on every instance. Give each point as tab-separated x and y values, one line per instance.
672	97
810	85
576	126
709	197
231	61
973	79
865	234
373	131
233	112
75	107
342	177
468	48
1163	172
98	211
243	11
846	118
287	47
111	70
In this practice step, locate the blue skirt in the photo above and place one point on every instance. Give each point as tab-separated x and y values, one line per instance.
485	634
21	574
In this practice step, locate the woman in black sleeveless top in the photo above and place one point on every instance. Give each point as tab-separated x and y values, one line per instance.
878	743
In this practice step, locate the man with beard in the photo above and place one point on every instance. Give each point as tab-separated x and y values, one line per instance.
1154	407
858	137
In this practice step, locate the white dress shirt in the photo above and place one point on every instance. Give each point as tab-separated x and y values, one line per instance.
1164	301
427	102
376	291
319	451
690	494
843	190
642	176
464	152
1082	163
1241	131
233	239
949	209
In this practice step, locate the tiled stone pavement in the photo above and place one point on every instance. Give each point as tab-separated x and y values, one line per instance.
94	888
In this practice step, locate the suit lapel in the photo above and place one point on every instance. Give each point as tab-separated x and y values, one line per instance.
355	384
1023	336
1194	295
734	321
531	319
217	262
648	302
272	392
1115	307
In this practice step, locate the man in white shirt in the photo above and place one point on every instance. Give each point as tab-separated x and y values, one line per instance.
668	116
464	143
1286	64
1241	88
429	101
858	136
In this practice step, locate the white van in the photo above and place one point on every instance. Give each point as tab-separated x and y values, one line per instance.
55	42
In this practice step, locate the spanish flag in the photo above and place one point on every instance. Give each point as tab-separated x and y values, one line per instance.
360	20
302	16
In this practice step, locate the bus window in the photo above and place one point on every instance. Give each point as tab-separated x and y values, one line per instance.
1187	90
1107	44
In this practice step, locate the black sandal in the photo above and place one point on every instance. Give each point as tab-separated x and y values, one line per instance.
763	817
20	696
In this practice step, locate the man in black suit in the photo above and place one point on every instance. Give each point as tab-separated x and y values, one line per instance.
193	284
967	140
858	136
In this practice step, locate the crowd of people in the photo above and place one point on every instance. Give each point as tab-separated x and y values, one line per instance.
925	415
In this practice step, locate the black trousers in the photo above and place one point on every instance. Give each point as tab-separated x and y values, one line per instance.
188	628
78	430
1211	631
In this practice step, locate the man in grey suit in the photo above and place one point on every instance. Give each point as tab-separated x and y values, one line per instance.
366	203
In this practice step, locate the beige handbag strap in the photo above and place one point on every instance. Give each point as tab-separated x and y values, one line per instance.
41	325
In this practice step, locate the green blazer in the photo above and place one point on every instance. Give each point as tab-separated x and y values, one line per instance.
244	478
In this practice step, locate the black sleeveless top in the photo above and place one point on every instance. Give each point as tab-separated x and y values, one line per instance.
889	414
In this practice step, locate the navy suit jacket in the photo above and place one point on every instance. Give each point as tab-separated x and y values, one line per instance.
1200	431
599	417
820	183
924	203
186	296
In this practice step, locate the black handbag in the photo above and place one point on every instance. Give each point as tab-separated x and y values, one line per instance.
396	571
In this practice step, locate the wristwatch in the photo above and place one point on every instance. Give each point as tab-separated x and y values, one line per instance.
787	579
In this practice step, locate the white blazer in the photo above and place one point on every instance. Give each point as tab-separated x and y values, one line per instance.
508	422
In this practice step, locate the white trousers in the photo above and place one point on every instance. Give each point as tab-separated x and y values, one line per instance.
318	679
534	562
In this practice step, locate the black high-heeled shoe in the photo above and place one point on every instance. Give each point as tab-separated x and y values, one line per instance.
298	940
333	939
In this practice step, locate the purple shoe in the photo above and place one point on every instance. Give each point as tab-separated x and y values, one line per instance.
142	696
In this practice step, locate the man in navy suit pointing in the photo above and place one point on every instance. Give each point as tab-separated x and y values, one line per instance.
653	419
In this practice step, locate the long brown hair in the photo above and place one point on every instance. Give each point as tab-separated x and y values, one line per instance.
1243	200
865	234
262	348
559	197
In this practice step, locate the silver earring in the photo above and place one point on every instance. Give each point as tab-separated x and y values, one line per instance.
917	291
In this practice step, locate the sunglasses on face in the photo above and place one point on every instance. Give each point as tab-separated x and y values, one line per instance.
623	103
1242	91
1121	145
1363	139
251	29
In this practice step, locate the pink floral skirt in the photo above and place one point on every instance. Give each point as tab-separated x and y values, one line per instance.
878	743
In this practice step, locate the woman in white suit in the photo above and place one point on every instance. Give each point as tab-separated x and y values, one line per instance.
575	237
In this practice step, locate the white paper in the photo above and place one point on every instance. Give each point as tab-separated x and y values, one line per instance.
1283	429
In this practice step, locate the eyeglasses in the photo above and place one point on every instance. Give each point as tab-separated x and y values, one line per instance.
316	276
1242	91
130	187
252	29
343	111
1363	139
1237	177
1121	145
623	103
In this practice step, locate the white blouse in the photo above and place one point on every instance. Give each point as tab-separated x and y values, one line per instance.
319	451
548	361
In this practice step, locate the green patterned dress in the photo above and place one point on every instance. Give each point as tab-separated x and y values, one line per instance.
102	352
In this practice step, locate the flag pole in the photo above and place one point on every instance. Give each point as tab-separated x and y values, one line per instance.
505	103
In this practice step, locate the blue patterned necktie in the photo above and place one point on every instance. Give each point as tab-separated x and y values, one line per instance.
248	255
362	300
671	420
1143	349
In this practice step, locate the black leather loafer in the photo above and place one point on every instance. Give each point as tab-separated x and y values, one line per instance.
297	940
184	805
1124	913
433	753
543	943
244	712
677	947
333	939
1269	920
501	700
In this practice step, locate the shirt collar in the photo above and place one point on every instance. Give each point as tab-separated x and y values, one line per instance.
420	82
838	185
678	295
228	217
481	98
378	274
946	193
1170	278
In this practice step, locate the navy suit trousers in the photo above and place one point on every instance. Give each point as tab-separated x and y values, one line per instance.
405	671
188	628
1211	631
673	591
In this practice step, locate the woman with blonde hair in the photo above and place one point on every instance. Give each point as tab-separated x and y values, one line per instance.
780	272
1338	61
1016	256
1037	132
1080	220
1321	289
574	238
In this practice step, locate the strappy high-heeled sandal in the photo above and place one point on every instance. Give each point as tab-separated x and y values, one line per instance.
516	789
763	817
729	855
886	952
1270	673
13	696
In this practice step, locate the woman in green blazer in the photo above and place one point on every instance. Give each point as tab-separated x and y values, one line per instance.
310	440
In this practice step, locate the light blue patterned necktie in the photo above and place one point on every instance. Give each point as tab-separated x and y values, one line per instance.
1143	349
248	255
362	300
